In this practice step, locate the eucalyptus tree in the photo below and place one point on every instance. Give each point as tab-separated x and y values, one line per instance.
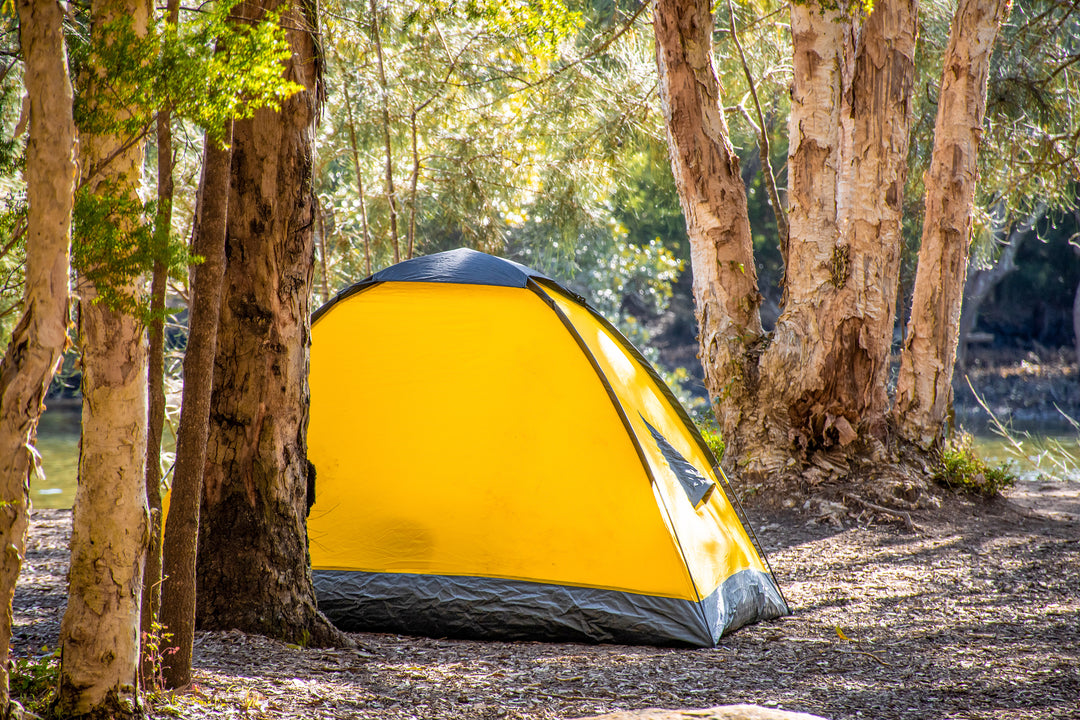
41	334
924	387
253	571
110	518
811	395
1029	174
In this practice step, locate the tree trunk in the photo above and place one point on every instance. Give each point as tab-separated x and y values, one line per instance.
110	520
819	382
713	200
253	566
850	120
924	386
40	336
182	528
99	634
155	374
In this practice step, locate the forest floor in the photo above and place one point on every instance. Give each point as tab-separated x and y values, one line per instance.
971	612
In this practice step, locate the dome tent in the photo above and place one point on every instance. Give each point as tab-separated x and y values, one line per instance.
494	459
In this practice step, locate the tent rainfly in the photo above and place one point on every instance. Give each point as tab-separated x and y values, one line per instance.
496	460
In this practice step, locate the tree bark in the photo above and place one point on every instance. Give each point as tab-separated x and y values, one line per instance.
99	634
924	386
849	126
819	382
182	528
41	334
713	199
854	263
155	374
253	565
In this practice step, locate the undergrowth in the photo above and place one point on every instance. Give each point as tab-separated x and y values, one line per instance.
960	468
710	432
33	681
156	647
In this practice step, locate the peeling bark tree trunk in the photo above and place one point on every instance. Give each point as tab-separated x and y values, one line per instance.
99	635
924	387
713	199
818	383
182	528
850	120
848	162
40	336
253	566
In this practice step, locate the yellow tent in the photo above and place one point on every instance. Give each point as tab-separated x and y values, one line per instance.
494	459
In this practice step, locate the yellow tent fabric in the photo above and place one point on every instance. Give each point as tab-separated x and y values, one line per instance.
494	459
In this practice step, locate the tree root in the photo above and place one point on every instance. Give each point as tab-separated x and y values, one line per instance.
902	515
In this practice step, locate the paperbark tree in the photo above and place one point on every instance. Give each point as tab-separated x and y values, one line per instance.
40	336
99	634
182	530
815	386
253	568
924	387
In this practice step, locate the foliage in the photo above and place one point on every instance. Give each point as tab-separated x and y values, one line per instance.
12	257
1033	108
156	648
710	432
514	144
33	680
12	195
960	468
108	253
208	71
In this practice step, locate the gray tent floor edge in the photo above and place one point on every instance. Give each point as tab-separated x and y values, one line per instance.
499	609
747	597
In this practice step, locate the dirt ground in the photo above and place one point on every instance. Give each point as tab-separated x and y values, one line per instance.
975	613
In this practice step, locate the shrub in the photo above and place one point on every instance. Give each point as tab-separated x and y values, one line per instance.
710	431
960	468
33	680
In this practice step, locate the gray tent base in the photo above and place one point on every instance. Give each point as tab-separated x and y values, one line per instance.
497	609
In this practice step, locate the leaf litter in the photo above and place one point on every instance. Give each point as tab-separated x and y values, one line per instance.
973	613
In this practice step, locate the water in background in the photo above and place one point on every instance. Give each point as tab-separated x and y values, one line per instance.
58	444
1044	451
